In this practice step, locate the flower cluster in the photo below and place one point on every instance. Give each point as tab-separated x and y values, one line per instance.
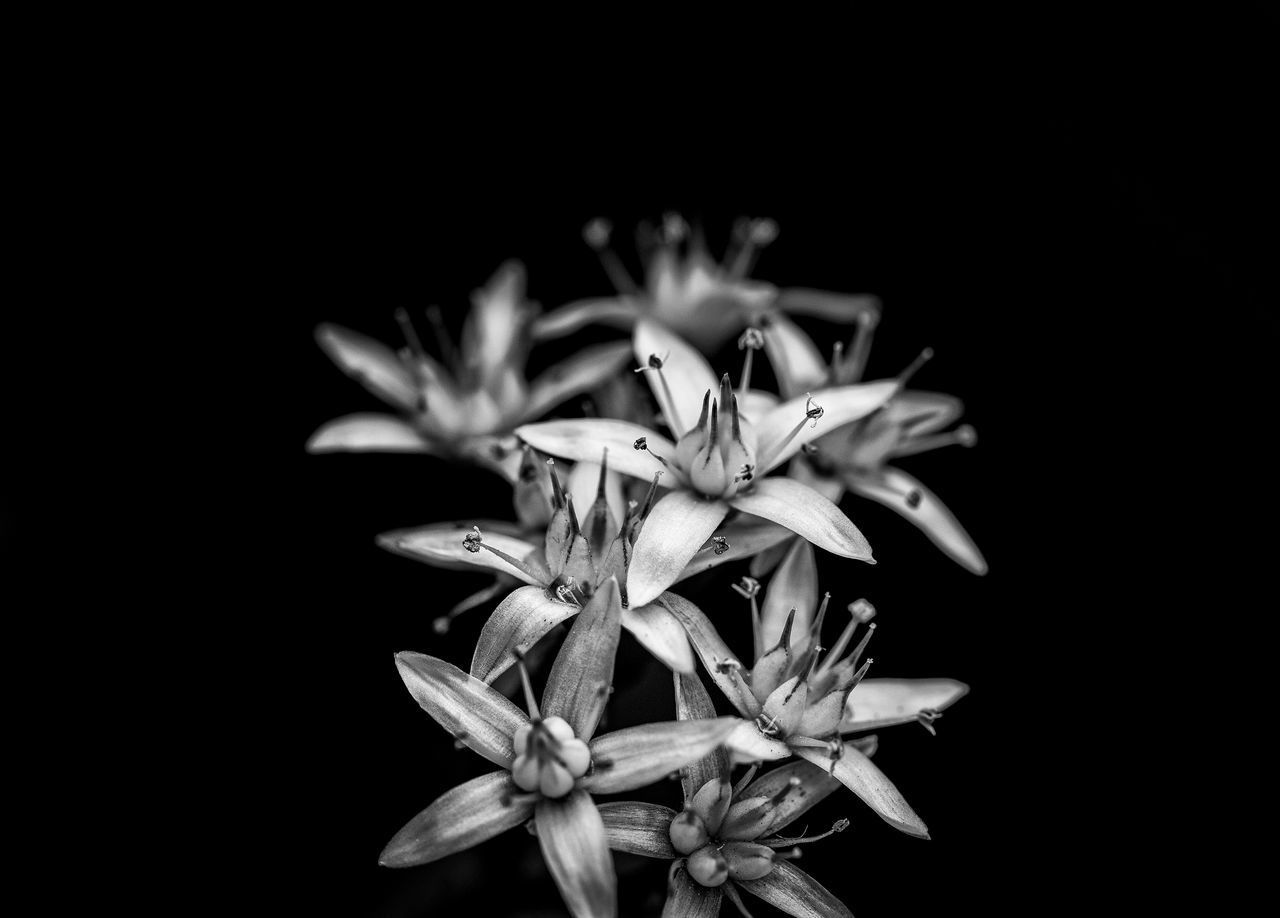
610	515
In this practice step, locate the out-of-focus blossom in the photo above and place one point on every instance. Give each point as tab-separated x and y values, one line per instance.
730	837
689	292
857	456
464	405
550	762
801	702
717	464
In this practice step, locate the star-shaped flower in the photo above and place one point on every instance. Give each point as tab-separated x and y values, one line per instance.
550	762
466	406
718	463
705	302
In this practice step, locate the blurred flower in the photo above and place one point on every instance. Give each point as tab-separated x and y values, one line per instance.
728	837
549	762
718	464
857	455
466	406
703	301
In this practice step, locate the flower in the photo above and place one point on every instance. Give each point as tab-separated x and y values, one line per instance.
800	702
718	464
465	407
550	762
727	837
856	456
704	302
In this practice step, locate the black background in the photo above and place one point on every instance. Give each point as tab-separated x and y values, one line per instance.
1095	281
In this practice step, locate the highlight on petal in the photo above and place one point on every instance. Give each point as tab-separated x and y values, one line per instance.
461	818
626	759
790	889
857	772
815	785
822	304
372	433
797	363
897	490
472	711
617	312
794	586
685	374
785	429
578	686
520	621
721	664
879	703
581	440
638	828
371	362
805	512
677	527
687	898
441	545
746	537
661	634
576	849
693	703
585	370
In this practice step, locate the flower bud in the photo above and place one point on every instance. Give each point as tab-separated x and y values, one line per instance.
688	832
708	866
748	861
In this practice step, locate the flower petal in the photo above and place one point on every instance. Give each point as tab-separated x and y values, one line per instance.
858	773
578	686
925	412
661	634
687	898
581	440
626	759
822	304
840	405
755	404
748	744
790	889
461	818
814	787
373	433
638	828
892	487
576	849
584	370
693	703
678	525
686	373
374	364
721	664
794	586
493	331
519	622
441	545
796	361
584	480
805	512
619	312
746	536
474	713
879	703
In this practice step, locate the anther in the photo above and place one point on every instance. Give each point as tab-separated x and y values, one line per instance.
747	587
642	443
926	719
728	665
925	356
674	228
813	410
472	540
746	473
720	544
441	624
862	610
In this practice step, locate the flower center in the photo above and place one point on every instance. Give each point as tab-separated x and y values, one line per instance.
549	758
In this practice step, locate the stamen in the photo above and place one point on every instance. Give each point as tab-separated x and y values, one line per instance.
447	350
745	780
964	435
748	589
849	370
838	826
409	332
862	645
642	445
674	228
751	341
792	783
926	719
756	234
473	542
668	406
925	356
812	412
596	234
530	702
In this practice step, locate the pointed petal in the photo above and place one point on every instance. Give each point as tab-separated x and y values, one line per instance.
747	536
823	304
576	849
461	818
796	361
661	634
581	440
519	622
814	787
638	828
626	759
840	405
441	545
714	653
790	889
372	433
578	686
794	586
679	524
687	898
686	372
374	364
891	488
693	703
858	773
879	703
807	513
584	370
472	711
926	412
618	312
